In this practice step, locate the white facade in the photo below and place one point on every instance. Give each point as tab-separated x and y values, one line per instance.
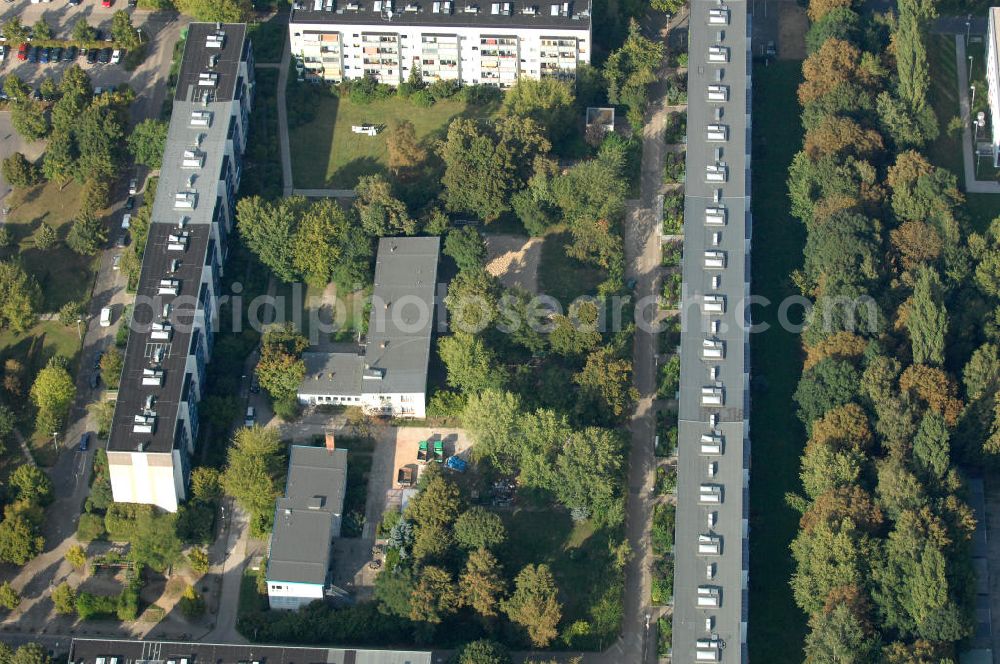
282	595
993	79
396	405
148	478
494	53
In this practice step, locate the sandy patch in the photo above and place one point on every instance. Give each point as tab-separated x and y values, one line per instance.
514	260
792	27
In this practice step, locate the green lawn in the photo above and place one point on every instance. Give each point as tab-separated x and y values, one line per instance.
946	151
777	437
562	276
326	154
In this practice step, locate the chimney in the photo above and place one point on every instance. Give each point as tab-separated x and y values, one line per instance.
331	444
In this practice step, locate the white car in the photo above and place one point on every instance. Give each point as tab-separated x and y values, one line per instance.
116	56
133	187
126	221
3	53
106	317
251	417
116	262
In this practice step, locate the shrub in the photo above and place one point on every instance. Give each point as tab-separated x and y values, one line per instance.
673	213
90	528
665	636
287	409
670	374
9	598
64	598
76	556
422	99
89	605
198	559
671	291
672	254
663	529
192	605
122	518
673	167
663	581
666	480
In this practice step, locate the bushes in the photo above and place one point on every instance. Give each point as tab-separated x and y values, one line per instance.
673	168
670	376
672	284
663	581
676	130
676	94
663	529
673	213
90	528
89	605
672	254
121	520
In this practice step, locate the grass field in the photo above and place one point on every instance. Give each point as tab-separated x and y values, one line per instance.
777	436
326	154
946	151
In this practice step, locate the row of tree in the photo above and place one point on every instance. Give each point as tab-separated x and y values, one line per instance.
882	555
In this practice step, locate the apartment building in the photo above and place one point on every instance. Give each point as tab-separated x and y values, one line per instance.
389	376
993	79
493	43
155	423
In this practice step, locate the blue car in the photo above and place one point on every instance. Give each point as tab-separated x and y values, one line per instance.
84	441
46	54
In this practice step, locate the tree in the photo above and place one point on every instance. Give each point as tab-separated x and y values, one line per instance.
10	599
82	32
225	11
820	8
437	503
481	583
842	136
32	484
534	604
981	371
630	69
16	89
19	540
838	637
46	237
316	245
100	138
53	392
576	333
405	151
198	559
20	297
935	387
483	652
434	596
280	372
467	247
20	172
206	483
606	390
472	366
380	212
87	235
41	29
13	31
911	54
28	119
71	313
478	528
836	63
589	475
96	197
916	242
123	32
549	101
930	446
31	653
829	384
492	418
191	603
253	468
927	319
147	140
112	363
64	599
155	542
472	301
840	23
76	556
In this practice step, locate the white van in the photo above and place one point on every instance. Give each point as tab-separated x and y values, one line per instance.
106	317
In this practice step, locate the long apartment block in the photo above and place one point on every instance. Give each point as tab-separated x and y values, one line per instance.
711	557
156	416
492	43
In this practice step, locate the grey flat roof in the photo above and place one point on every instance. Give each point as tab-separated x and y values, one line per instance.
332	373
733	464
86	651
308	517
577	18
402	315
196	61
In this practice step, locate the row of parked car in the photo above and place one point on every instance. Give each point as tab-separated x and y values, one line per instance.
44	55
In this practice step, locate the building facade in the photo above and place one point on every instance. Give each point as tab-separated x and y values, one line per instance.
306	521
495	43
993	79
171	335
389	376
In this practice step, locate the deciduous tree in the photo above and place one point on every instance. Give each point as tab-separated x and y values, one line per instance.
20	172
479	528
147	140
53	392
254	466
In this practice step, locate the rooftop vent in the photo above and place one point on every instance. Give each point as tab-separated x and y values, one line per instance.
169	287
193	159
161	332
208	79
216	39
152	377
373	373
144	422
316	502
201	118
185	200
178	241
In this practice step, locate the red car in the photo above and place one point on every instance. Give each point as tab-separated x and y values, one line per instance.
22	51
105	3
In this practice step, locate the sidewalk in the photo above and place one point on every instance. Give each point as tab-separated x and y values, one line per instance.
972	185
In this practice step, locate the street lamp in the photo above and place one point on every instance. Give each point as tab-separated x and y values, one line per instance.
968	26
55	440
973	105
970	67
79	331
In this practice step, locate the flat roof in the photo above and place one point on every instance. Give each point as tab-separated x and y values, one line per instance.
308	517
157	264
332	373
401	322
198	59
86	651
519	14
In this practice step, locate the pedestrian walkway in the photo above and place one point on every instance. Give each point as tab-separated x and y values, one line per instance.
972	185
325	193
286	152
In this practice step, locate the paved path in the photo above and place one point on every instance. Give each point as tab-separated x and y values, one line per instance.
286	150
972	185
325	193
235	551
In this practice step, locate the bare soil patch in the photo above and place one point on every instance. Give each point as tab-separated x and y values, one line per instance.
792	27
514	260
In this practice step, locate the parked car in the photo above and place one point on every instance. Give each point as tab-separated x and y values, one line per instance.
130	202
22	51
772	50
254	384
122	240
33	53
98	91
56	54
3	53
422	451
95	380
97	360
92	56
133	187
116	262
106	317
132	3
116	56
70	53
251	417
439	451
84	441
45	55
126	221
105	56
105	3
